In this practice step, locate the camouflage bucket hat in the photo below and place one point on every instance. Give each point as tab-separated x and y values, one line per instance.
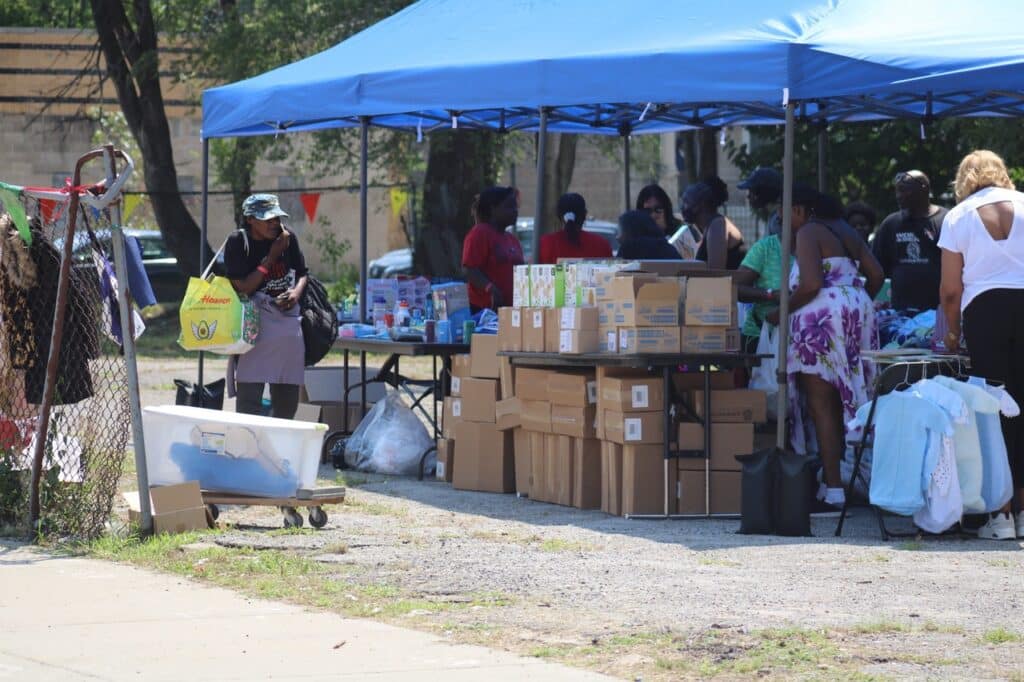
263	207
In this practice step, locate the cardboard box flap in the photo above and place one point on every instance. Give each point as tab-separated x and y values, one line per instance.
172	498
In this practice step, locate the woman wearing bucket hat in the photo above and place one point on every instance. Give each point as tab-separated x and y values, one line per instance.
263	261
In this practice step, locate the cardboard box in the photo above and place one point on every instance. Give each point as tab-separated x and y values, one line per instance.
524	477
307	412
538	466
639	428
484	356
606	313
521	286
578	422
536	415
608	339
445	459
709	302
668	268
631	394
451	415
572	342
726	492
532	384
599	425
736	406
510	329
733	338
508	414
611	478
727	441
586	473
334	416
461	369
533	330
634	340
578	319
646	303
643	480
478	402
507	380
704	339
326	385
577	389
486	460
176	508
552	333
542	286
559	470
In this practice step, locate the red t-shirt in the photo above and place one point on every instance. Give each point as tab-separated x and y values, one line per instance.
495	254
557	245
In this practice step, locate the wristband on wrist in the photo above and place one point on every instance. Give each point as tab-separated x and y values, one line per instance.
489	288
263	271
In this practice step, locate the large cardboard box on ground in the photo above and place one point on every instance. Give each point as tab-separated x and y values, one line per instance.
536	415
450	416
478	402
638	428
709	302
461	369
176	508
533	330
643	480
739	405
532	384
578	422
727	441
572	388
485	458
586	473
631	394
538	466
524	466
725	492
559	471
633	340
507	381
508	414
484	356
445	459
510	329
611	478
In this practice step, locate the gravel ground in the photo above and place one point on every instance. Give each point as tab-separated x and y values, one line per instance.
566	579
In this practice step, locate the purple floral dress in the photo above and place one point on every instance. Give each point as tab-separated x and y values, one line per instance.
826	338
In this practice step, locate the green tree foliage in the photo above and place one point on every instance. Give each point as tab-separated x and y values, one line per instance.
46	13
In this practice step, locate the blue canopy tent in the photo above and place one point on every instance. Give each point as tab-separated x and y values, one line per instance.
600	66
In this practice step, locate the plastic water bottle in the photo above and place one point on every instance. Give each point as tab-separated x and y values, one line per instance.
430	308
402	316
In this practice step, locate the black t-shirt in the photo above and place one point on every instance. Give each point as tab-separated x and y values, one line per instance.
908	249
238	263
648	248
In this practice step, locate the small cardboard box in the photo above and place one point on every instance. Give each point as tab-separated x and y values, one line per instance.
478	402
577	389
484	356
176	508
726	492
486	460
586	473
560	470
648	303
573	342
634	428
704	339
608	339
445	459
606	313
578	319
538	466
532	384
451	415
727	441
643	480
508	414
461	369
733	339
510	329
536	415
684	382
611	478
634	340
623	289
709	302
524	477
507	381
552	334
578	422
631	394
521	286
542	286
533	330
736	406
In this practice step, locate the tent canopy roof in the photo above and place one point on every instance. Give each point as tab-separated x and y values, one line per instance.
606	66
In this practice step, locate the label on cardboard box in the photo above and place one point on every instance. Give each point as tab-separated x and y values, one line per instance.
592	392
456	386
633	429
639	397
440	470
517	317
611	341
457	407
538	319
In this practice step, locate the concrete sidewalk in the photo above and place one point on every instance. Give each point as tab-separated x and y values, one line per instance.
70	619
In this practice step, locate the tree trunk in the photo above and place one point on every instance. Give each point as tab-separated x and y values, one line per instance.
130	49
558	170
708	140
460	163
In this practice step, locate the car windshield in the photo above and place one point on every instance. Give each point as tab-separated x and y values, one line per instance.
153	247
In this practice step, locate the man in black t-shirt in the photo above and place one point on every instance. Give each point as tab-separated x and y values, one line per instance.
906	244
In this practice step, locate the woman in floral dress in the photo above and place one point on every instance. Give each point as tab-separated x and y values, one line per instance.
832	319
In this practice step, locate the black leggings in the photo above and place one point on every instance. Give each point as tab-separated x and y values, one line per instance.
994	329
284	399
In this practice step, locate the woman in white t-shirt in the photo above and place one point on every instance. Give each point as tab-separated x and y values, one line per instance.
982	241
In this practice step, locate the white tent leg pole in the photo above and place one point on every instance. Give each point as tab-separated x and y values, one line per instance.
786	237
542	153
203	226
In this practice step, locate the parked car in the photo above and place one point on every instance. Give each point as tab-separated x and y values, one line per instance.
161	266
399	262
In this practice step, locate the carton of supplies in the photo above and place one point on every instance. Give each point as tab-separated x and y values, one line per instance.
510	329
642	303
524	479
634	428
586	472
605	314
445	459
727	441
231	452
507	378
611	478
483	363
631	394
532	384
725	492
461	369
485	458
478	402
542	286
508	414
521	287
573	342
578	319
577	389
176	508
574	421
643	480
736	406
710	302
534	330
538	458
536	415
649	340
450	416
608	338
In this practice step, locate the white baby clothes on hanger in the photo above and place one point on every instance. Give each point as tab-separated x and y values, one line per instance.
967	443
996	478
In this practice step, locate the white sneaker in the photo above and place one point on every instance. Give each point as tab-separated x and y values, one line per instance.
999	527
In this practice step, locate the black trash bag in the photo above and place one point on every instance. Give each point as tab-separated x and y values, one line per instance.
794	486
212	398
757	487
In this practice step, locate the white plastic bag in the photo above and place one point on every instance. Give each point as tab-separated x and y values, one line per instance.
762	378
390	440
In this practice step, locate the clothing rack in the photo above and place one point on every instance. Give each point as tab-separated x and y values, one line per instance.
899	374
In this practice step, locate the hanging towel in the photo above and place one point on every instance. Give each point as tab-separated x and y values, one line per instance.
996	478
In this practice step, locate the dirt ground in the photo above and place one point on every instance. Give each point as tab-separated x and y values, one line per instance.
654	599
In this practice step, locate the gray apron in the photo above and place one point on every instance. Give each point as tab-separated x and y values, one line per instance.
279	354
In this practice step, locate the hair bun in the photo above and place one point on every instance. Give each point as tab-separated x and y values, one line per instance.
569	217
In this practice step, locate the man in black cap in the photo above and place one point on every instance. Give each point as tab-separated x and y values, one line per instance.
764	191
906	244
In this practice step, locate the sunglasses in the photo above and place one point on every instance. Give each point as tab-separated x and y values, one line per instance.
910	176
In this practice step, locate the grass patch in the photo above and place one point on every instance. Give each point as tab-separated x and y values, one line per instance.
559	545
375	508
910	546
880	627
715	561
930	626
1000	636
350	479
291	531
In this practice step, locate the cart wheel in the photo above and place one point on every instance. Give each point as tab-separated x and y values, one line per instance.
317	517
292	518
214	511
